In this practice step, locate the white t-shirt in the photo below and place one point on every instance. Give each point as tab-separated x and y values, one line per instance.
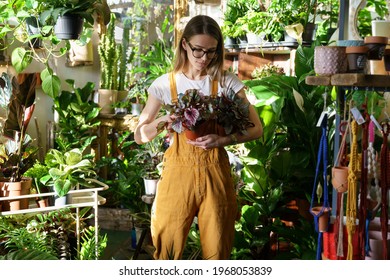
160	88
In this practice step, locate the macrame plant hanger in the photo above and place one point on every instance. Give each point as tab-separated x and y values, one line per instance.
384	183
373	188
322	155
341	160
363	182
351	210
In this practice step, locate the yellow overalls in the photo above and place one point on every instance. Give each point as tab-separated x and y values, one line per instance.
194	182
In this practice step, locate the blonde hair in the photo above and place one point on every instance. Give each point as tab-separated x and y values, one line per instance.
198	25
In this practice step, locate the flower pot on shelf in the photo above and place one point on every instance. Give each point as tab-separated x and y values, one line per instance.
42	203
329	60
9	189
357	58
309	33
376	46
106	98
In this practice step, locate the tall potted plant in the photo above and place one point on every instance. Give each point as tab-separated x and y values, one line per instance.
109	56
17	97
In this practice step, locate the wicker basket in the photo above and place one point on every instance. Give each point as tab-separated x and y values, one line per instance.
329	60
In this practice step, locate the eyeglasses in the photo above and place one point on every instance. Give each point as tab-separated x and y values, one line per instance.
199	53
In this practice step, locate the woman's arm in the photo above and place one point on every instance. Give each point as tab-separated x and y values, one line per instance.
146	129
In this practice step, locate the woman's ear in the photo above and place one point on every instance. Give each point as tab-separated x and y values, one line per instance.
184	44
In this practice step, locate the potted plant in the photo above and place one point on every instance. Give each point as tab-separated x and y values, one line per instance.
16	155
109	54
68	170
36	172
14	22
196	112
63	14
150	158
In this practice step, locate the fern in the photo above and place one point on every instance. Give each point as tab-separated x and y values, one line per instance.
28	255
88	244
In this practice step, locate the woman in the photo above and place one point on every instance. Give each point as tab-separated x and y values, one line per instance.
196	178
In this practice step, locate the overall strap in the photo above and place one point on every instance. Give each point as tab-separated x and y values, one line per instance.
214	89
172	84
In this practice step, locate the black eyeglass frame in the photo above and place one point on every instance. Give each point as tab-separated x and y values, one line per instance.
209	54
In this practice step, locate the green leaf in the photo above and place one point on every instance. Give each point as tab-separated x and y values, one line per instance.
21	59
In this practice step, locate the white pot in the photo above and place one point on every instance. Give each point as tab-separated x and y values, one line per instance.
150	186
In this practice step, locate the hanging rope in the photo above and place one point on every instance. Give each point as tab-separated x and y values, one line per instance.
322	154
384	183
352	190
373	190
363	187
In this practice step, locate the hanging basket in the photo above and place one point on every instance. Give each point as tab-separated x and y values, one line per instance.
68	27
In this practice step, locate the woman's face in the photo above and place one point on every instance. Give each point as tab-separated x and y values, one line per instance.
201	49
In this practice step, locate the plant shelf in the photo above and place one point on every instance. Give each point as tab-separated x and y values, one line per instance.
350	80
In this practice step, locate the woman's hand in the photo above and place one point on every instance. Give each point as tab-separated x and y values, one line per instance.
209	141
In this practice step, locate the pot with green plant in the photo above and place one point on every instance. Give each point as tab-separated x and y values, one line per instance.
150	158
109	54
16	153
67	171
69	17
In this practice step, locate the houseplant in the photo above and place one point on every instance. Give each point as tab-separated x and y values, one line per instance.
16	155
109	55
67	170
78	13
77	117
225	114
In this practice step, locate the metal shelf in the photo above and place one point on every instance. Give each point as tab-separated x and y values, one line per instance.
78	198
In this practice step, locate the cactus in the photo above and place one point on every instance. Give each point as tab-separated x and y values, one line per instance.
109	56
123	56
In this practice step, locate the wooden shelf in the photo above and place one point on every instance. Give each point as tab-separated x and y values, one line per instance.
350	80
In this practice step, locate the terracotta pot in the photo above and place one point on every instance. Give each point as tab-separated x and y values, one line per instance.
42	203
357	58
205	128
323	219
376	46
340	178
329	60
106	98
9	189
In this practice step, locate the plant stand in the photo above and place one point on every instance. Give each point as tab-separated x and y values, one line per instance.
81	198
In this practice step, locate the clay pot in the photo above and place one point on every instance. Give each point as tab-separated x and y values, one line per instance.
323	219
357	58
376	46
9	189
329	60
42	203
205	128
340	178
